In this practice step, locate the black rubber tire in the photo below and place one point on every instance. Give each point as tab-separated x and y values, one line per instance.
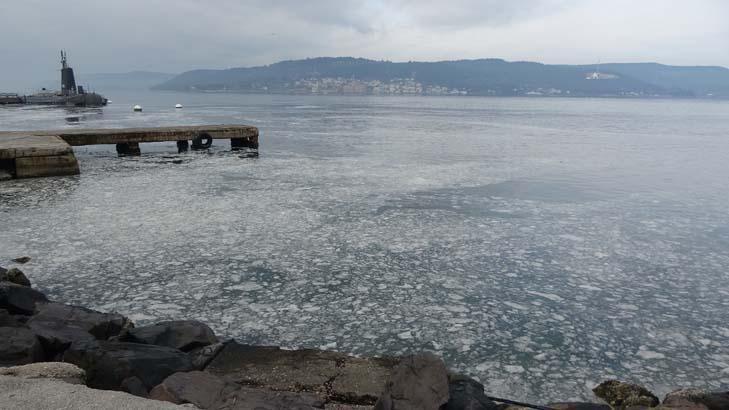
202	141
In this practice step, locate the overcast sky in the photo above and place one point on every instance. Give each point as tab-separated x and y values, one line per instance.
179	35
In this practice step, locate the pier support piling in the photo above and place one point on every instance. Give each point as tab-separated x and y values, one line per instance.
130	149
7	168
183	146
243	143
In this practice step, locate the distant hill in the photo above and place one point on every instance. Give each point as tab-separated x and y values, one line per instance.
135	80
700	80
473	77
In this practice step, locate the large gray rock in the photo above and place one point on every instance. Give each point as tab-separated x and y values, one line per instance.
110	363
207	391
134	385
467	394
101	325
621	395
419	382
14	275
333	375
8	320
359	380
22	259
202	356
57	336
49	394
66	372
696	399
19	346
184	335
18	299
199	388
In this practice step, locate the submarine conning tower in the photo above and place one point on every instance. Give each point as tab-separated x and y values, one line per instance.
68	81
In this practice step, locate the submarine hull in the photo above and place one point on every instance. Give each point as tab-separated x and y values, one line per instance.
77	100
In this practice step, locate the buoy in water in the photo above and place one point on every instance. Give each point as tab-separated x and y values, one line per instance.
137	108
178	105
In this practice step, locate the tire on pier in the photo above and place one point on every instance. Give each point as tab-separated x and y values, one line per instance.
202	141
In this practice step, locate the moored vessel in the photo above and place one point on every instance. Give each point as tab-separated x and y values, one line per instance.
70	94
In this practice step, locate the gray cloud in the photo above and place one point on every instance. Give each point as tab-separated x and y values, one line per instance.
178	35
466	13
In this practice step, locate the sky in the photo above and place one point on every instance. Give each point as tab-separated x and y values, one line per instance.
179	35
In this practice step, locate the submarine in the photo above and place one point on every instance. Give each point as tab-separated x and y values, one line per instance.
70	94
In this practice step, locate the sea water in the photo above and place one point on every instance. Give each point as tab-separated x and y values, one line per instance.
540	245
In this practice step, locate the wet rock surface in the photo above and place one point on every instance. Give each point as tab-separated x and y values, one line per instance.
57	337
185	335
417	382
22	259
134	385
622	395
259	399
8	320
578	406
467	394
14	275
199	388
110	363
696	399
101	325
18	299
330	374
19	346
208	391
202	356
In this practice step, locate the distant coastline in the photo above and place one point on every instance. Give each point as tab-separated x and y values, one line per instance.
485	77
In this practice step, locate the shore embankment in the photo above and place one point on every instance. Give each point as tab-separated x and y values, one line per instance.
184	362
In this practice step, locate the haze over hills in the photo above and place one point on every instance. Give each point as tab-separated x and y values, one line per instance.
135	80
104	82
347	75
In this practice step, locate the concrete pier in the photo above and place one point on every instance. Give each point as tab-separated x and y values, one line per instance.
30	154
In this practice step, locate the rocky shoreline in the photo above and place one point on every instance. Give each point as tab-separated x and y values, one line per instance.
183	362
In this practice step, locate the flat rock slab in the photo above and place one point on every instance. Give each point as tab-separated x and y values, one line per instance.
66	372
259	399
48	394
335	376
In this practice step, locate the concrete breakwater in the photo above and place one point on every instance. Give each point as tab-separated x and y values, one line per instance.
185	362
28	154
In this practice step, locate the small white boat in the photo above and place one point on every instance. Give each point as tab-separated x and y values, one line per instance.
137	108
178	105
